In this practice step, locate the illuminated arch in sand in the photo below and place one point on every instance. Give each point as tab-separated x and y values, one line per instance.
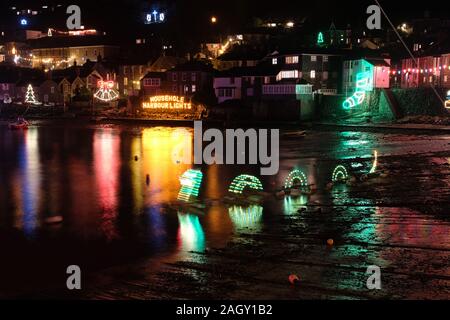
190	181
340	174
296	177
245	181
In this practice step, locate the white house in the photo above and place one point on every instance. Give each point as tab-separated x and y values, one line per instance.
377	70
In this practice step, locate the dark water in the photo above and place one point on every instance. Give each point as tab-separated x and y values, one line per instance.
95	178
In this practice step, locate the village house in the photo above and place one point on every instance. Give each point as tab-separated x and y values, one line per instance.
425	71
320	68
189	78
152	83
377	69
244	83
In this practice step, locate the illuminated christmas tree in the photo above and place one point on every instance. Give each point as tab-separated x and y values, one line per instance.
29	97
320	40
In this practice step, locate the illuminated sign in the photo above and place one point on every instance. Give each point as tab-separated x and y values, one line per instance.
155	17
23	22
167	102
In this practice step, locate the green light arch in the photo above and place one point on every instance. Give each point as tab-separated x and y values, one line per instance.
340	174
245	181
295	175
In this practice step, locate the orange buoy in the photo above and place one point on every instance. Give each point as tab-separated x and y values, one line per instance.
330	242
293	279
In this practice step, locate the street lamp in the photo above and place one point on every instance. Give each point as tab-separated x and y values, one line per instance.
213	19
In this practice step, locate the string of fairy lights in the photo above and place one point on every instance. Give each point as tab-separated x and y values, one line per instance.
433	70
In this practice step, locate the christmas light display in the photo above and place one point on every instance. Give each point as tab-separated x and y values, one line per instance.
295	177
167	102
363	84
447	101
155	17
375	162
320	40
106	91
29	96
190	181
245	181
339	174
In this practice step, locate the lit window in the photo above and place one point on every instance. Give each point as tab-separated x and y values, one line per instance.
291	74
325	75
313	74
125	81
194	88
291	59
274	61
325	58
313	58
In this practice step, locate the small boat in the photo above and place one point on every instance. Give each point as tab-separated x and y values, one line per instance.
20	123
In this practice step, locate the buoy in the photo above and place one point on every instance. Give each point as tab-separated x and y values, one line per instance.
147	179
54	220
293	279
136	158
330	242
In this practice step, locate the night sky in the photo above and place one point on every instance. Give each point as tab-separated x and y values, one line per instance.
194	14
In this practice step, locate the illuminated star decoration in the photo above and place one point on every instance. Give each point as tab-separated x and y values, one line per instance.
106	92
245	181
190	181
295	178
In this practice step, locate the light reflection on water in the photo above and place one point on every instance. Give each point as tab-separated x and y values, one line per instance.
96	179
26	184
